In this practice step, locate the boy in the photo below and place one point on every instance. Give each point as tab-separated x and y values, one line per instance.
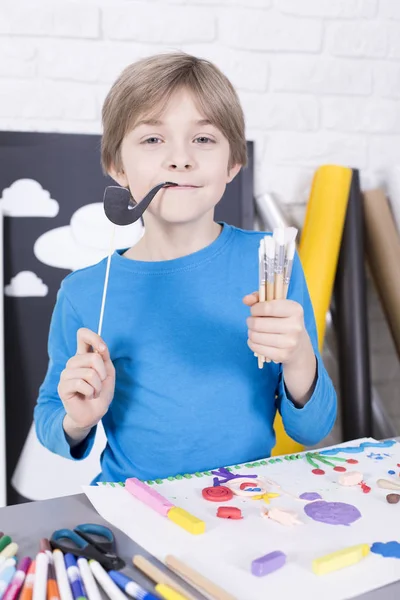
176	385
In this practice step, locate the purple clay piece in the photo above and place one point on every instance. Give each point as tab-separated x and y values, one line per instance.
332	513
268	563
388	549
228	476
310	496
216	482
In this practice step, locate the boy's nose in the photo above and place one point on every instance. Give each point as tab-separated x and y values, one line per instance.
180	166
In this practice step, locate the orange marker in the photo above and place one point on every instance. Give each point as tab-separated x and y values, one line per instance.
27	590
53	593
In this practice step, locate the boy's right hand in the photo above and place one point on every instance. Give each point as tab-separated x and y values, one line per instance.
87	383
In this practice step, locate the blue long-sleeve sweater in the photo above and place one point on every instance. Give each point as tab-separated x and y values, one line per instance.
189	395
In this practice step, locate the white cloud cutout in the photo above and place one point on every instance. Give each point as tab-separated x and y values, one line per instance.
27	198
26	284
85	241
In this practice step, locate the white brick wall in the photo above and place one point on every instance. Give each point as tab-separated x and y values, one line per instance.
319	81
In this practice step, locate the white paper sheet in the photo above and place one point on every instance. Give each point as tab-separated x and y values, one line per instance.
225	551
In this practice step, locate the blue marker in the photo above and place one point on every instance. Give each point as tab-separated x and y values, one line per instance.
130	587
5	579
74	577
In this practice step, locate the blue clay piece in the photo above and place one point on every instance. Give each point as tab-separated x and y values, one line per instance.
391	472
388	549
358	449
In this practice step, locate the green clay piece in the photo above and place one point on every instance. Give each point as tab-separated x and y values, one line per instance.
323	460
263	462
311	462
199	474
207	473
278	460
187	476
237	466
178	477
150	482
121	483
170	478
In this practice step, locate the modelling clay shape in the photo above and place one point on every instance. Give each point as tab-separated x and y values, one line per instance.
393	498
220	493
310	496
268	563
386	484
187	521
358	449
228	476
256	487
229	512
350	478
332	513
340	559
388	549
283	516
265	497
143	492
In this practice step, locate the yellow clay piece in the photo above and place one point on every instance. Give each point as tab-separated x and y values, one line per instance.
265	497
340	559
184	519
165	591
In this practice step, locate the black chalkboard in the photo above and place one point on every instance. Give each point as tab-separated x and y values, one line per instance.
68	166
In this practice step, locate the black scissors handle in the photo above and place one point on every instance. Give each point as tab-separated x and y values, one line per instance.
81	542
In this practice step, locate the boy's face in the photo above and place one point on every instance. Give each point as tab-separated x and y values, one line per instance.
179	146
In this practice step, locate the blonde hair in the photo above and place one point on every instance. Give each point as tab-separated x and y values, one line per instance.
146	86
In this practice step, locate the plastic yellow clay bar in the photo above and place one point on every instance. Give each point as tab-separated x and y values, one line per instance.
184	519
340	559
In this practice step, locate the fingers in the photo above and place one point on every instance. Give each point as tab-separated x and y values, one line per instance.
277	355
277	308
251	299
272	325
88	375
88	340
88	361
272	340
69	388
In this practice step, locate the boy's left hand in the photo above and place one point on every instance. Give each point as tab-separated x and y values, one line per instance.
276	329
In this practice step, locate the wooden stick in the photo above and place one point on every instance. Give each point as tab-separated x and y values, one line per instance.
155	574
105	288
197	579
261	292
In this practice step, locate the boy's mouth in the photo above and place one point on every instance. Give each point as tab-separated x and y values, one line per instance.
185	186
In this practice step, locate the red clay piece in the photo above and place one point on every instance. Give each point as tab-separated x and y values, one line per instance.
220	493
229	512
318	472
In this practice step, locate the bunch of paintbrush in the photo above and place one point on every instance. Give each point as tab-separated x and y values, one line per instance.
275	260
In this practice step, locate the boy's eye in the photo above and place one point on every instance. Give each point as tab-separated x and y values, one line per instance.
152	140
203	139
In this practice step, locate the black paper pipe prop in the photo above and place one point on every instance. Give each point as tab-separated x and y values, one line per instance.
121	209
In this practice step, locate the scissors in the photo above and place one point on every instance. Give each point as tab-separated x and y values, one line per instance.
90	541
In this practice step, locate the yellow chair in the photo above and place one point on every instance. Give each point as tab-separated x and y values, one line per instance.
319	252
